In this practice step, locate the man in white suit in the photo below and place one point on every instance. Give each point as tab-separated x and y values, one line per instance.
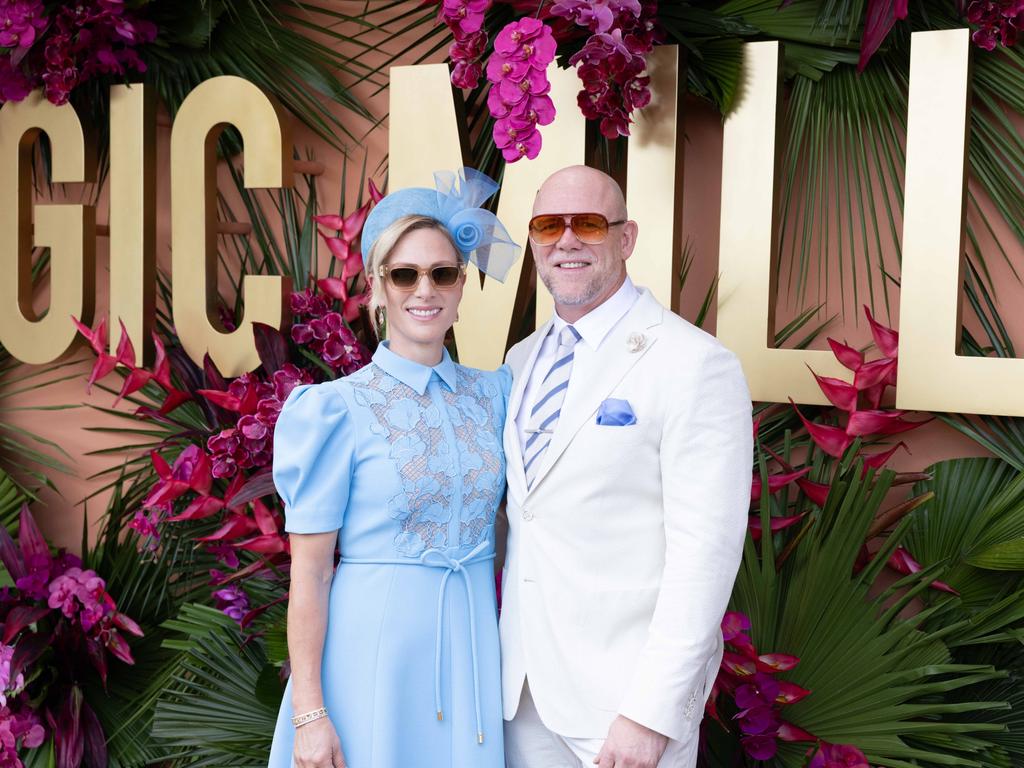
629	452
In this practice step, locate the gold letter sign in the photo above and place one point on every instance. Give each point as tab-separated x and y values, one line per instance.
932	375
213	105
747	249
68	231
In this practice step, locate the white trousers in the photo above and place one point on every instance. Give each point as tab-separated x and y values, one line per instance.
529	744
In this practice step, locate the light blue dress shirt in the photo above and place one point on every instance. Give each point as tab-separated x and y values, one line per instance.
406	462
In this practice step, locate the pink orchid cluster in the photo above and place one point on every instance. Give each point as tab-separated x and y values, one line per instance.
749	678
465	19
233	601
248	444
613	60
518	98
326	333
77	43
998	22
56	619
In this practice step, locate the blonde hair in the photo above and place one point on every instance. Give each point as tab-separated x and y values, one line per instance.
386	243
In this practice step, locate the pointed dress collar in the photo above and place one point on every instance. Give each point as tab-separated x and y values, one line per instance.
413	374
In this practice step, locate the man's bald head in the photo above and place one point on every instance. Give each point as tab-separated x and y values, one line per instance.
579	188
579	275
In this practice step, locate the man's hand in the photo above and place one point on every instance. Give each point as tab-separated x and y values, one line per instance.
631	745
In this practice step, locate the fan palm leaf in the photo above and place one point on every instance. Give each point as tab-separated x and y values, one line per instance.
977	510
210	714
878	680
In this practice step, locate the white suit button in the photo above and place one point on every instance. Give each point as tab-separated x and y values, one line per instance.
527	514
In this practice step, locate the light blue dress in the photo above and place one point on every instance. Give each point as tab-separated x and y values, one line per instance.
406	460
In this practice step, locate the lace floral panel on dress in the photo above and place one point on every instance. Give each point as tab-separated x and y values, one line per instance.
413	426
483	466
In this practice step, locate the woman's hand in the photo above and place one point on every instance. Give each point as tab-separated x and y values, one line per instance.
317	746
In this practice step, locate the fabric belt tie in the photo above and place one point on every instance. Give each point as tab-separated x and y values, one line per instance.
436	558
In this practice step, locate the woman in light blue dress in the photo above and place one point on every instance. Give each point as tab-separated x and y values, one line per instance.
394	656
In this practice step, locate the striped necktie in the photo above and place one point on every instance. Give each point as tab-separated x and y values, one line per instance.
544	416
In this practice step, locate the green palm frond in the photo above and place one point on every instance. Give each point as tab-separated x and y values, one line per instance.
878	680
276	45
978	505
211	713
11	499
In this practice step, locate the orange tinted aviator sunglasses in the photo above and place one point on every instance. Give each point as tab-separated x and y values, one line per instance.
590	228
405	277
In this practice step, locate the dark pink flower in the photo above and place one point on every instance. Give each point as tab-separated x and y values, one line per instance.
838	756
233	601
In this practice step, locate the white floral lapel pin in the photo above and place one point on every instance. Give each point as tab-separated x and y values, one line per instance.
636	342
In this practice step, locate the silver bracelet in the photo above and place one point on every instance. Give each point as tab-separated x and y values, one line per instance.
309	717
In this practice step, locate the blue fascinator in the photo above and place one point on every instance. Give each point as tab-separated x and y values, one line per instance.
477	233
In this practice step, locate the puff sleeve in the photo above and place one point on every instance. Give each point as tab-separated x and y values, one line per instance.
314	452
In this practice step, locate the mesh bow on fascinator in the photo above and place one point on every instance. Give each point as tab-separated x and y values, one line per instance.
477	233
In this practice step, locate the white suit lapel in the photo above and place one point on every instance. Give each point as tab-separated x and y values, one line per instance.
592	381
521	377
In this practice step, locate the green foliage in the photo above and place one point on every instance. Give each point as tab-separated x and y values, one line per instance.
209	714
881	678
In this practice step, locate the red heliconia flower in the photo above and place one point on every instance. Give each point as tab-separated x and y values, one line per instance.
878	460
903	562
840	393
776	482
832	440
816	492
875	373
880	423
881	17
778	523
848	356
97	338
886	338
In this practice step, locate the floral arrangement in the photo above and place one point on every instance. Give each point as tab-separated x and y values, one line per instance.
59	624
60	48
222	476
749	679
611	64
998	23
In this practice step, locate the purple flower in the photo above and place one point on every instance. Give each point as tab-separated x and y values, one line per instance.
513	36
7	685
21	23
596	15
465	19
233	601
82	593
760	747
519	84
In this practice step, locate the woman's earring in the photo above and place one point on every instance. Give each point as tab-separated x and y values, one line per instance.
380	318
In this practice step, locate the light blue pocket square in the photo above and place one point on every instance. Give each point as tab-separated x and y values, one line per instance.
615	413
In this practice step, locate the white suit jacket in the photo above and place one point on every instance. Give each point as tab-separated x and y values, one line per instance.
622	556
